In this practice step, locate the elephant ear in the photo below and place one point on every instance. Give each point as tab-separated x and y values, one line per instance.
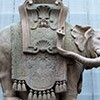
81	35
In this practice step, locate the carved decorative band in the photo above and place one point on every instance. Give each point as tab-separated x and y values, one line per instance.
20	85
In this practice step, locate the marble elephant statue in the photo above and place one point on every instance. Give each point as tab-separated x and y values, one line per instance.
75	67
55	60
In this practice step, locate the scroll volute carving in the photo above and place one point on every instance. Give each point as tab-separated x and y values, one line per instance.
43	16
53	18
33	19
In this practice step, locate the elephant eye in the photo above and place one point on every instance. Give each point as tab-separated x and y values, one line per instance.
98	38
40	18
47	18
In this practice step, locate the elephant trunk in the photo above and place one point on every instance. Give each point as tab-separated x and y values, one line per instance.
85	61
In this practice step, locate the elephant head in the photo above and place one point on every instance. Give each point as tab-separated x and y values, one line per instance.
87	40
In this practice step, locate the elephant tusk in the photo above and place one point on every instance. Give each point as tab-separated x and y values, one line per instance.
84	60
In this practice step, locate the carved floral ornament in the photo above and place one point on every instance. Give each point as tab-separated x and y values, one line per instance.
43	16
